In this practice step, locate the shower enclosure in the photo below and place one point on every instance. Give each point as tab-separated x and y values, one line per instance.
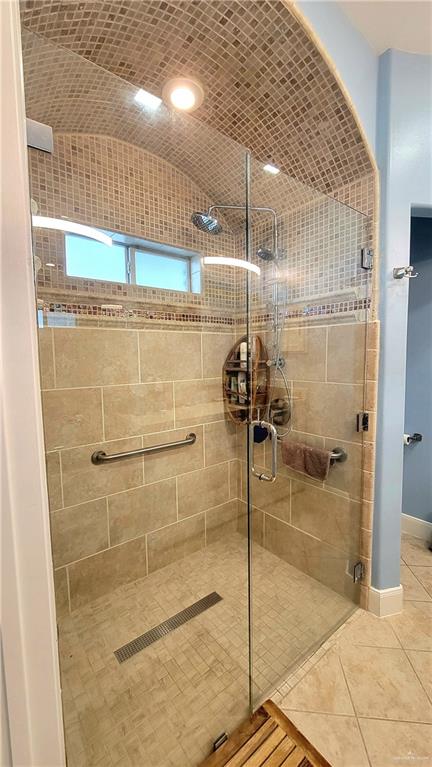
225	322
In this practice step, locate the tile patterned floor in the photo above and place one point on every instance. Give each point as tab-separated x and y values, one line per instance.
165	706
367	701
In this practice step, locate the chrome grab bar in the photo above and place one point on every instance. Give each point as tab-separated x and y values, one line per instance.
273	433
101	457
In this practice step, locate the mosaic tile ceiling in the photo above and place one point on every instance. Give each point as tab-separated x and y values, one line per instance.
267	85
73	95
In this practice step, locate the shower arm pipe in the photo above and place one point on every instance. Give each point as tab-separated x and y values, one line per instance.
258	209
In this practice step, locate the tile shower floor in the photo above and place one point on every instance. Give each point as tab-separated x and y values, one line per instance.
165	706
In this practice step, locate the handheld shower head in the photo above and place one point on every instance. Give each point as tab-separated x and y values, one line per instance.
206	223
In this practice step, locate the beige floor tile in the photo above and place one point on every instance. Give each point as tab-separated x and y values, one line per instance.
397	743
196	678
383	684
338	738
422	662
370	631
322	690
415	551
413	626
412	588
424	575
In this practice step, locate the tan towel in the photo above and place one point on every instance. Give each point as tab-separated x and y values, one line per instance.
313	461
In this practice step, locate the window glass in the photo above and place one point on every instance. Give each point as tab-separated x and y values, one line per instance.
94	260
161	271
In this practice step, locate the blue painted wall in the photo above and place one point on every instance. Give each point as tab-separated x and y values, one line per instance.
417	478
355	60
404	130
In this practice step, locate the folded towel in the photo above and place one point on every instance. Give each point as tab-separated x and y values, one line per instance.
314	461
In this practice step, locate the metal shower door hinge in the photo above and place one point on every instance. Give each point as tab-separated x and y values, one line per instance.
358	572
367	256
220	740
362	421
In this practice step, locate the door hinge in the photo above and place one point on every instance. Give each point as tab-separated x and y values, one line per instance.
220	740
362	421
367	257
358	572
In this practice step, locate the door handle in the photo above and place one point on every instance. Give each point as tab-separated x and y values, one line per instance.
273	434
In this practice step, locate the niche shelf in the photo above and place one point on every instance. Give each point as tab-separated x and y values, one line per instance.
236	385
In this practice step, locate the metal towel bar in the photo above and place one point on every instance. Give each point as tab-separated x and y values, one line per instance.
100	457
339	455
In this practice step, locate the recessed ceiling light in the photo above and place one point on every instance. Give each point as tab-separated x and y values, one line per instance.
146	99
183	93
271	169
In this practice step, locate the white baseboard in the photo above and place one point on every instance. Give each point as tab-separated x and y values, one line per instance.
384	602
418	528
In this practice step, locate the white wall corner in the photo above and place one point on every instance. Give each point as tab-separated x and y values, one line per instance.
384	602
418	528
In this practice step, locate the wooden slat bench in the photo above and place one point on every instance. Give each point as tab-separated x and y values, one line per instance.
267	739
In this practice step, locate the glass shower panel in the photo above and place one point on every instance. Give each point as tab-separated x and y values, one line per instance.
150	551
309	308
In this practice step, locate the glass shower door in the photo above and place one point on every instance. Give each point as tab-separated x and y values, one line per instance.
150	550
308	315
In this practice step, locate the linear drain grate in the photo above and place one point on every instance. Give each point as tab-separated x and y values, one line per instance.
138	644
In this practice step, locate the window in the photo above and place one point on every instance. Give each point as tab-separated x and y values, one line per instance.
160	271
133	261
95	261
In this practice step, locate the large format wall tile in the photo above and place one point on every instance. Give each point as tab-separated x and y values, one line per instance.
346	476
305	353
95	357
215	347
175	542
137	409
173	356
222	522
327	409
79	531
273	497
346	353
220	442
72	417
177	460
330	517
54	481
97	575
202	489
83	481
198	401
138	511
46	358
61	592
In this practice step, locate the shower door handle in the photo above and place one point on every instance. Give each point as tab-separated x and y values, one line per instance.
273	434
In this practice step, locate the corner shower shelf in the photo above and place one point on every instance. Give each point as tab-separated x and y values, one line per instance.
239	392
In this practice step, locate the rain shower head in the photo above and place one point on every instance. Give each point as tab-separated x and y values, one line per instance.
265	254
206	223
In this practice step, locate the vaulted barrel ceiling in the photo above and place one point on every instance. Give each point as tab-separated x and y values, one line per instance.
267	86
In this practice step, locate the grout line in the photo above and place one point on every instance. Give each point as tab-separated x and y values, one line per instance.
355	711
103	413
326	354
54	358
429	697
68	589
108	522
138	356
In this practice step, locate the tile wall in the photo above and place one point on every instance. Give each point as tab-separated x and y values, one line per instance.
117	390
323	528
